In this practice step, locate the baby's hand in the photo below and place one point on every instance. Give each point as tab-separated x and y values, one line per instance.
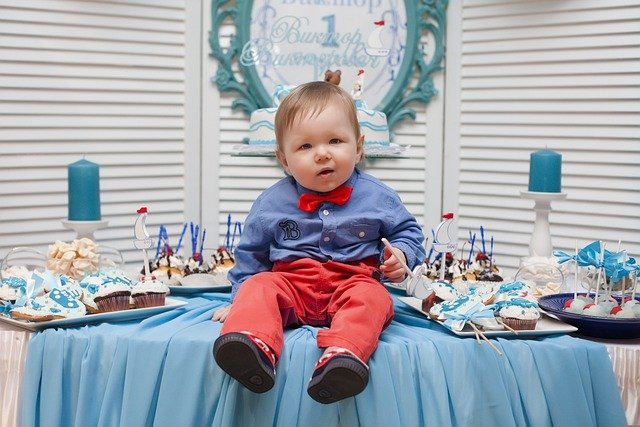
392	267
221	313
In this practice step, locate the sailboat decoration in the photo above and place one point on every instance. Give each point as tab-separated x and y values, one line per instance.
443	242
143	241
375	47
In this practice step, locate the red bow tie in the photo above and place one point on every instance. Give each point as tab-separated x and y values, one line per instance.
310	202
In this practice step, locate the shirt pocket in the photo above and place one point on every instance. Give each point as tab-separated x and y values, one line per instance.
357	233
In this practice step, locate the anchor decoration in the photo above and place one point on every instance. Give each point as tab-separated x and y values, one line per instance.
443	242
143	241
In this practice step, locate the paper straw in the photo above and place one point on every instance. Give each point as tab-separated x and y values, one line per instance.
602	246
491	257
484	250
228	232
204	233
407	269
473	242
575	278
184	229
159	243
624	278
233	238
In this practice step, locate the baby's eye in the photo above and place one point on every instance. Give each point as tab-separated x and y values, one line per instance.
304	146
335	141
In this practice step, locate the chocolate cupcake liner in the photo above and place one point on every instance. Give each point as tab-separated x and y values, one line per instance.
149	300
114	302
520	324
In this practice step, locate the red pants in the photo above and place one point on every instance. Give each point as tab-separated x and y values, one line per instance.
345	297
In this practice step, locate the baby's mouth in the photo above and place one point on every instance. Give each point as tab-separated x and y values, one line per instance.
325	172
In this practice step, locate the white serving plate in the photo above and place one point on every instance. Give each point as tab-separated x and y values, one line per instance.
114	316
545	326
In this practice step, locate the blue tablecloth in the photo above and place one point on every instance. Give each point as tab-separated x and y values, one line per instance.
161	372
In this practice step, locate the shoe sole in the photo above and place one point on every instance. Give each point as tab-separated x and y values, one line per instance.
238	356
345	378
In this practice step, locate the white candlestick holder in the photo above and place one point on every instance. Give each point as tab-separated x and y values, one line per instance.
540	244
85	228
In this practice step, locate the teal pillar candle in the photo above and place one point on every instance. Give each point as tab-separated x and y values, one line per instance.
84	191
545	171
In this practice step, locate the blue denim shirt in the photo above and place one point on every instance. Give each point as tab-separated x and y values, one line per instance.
276	230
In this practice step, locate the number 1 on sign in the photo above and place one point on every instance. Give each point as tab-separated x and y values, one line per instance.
331	30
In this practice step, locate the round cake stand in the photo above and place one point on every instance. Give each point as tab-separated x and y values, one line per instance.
540	244
84	228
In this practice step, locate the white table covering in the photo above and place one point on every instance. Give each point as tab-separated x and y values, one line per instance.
13	353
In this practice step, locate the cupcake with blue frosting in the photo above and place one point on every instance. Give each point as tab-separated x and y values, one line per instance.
518	313
106	292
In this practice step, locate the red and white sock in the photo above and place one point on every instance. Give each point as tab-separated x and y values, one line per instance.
262	346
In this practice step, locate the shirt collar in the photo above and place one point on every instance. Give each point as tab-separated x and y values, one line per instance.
351	182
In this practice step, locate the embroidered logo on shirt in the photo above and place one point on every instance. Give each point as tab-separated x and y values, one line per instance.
290	229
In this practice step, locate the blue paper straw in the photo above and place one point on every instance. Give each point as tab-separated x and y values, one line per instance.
237	229
159	243
473	241
228	232
484	251
184	228
165	238
491	256
204	233
194	239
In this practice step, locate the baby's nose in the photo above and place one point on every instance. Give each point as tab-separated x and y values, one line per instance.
323	155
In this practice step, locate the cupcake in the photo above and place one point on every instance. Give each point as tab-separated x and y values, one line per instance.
149	292
513	290
106	292
518	313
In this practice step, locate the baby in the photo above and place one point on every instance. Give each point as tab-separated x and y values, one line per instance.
311	252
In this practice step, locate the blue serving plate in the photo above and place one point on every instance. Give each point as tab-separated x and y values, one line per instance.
592	326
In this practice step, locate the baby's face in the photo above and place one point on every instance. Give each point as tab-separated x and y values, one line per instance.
321	152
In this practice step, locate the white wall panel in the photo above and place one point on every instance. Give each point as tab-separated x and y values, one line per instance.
105	79
565	75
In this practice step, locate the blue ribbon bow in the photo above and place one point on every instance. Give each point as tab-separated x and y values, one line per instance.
613	262
457	320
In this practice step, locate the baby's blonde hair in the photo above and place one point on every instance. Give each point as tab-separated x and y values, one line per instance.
309	100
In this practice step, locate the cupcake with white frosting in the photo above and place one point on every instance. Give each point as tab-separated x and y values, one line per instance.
149	292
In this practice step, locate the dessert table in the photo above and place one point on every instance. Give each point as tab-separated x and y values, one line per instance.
160	371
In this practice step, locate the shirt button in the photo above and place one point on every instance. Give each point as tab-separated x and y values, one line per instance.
325	212
326	238
361	234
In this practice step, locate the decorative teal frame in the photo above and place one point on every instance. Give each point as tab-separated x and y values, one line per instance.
422	16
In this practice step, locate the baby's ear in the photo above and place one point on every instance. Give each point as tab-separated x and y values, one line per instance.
282	160
360	147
